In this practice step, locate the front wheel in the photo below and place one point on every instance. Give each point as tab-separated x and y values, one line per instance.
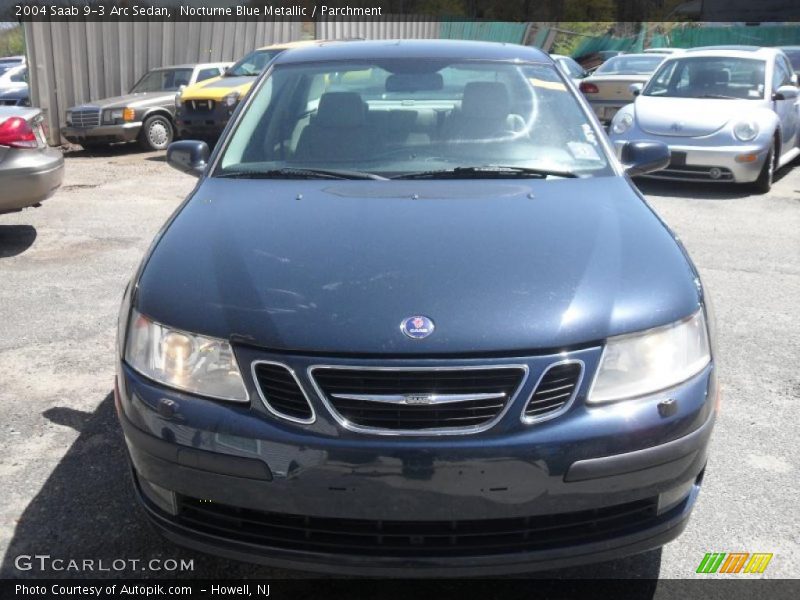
763	184
156	134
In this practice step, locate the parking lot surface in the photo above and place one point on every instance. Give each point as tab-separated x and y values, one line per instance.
63	268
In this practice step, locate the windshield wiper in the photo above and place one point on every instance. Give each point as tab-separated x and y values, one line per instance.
486	171
299	173
719	97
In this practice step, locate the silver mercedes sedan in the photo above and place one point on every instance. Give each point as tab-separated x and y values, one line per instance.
726	115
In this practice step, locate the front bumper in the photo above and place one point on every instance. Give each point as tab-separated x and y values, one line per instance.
710	163
578	471
103	134
29	177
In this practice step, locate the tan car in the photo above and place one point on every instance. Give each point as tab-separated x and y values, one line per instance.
608	88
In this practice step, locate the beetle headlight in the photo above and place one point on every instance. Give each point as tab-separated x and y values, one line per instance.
182	360
653	360
622	123
745	131
231	99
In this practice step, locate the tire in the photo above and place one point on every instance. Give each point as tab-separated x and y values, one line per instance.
157	133
763	184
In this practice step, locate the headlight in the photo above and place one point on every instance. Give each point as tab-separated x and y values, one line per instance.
68	119
110	116
745	131
622	123
653	360
231	99
178	102
189	362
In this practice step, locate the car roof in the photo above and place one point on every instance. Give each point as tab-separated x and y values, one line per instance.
419	49
734	51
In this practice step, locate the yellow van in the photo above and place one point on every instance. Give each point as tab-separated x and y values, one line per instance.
203	109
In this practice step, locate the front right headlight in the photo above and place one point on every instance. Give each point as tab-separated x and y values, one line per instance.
68	118
650	361
622	123
182	360
745	131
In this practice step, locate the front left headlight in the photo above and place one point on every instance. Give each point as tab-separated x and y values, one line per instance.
109	116
745	131
650	361
185	361
231	99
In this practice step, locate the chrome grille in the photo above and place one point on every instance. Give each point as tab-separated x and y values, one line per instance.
281	392
555	390
414	400
86	117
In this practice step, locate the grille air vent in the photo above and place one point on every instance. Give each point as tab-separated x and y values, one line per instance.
281	392
556	388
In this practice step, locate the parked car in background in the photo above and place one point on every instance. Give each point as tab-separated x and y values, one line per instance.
146	114
727	115
570	67
496	358
6	62
608	88
19	96
30	171
16	77
793	54
203	110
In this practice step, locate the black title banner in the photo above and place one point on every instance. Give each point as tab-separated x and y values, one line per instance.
354	10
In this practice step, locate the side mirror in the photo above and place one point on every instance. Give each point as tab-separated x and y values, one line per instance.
636	88
188	156
181	88
642	157
785	92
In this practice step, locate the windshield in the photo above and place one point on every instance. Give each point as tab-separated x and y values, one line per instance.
405	116
709	77
252	64
630	65
794	57
163	80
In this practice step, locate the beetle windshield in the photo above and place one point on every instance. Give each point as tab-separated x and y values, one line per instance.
163	80
252	64
440	118
709	77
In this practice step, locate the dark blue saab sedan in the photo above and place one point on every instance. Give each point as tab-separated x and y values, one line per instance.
415	319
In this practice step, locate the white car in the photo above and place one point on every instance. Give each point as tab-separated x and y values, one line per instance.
14	78
570	67
726	115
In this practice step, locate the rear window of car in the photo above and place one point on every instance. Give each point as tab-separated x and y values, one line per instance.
630	65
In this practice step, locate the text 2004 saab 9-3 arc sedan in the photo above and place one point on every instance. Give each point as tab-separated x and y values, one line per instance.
416	316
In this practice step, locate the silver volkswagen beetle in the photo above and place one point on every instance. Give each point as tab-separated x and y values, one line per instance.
726	115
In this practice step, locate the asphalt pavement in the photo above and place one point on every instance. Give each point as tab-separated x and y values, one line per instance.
63	268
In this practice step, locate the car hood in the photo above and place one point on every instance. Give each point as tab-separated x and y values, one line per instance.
142	100
692	117
498	265
217	88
